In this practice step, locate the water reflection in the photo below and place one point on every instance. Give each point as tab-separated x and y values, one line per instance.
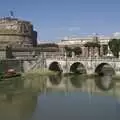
10	85
77	80
104	82
22	99
55	79
16	102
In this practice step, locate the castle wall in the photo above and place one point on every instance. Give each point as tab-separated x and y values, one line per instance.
16	32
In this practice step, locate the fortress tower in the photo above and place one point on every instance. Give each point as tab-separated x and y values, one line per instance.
16	32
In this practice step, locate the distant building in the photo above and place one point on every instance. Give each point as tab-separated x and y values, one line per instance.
16	32
87	51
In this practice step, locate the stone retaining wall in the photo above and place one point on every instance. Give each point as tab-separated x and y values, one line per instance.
14	64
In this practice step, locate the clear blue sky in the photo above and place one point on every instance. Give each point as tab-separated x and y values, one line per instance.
54	19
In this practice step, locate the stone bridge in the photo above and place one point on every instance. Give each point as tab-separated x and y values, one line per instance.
71	65
88	65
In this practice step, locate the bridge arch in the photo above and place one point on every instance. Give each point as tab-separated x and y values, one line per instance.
78	67
100	67
55	66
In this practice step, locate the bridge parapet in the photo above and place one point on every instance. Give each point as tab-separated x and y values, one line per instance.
83	58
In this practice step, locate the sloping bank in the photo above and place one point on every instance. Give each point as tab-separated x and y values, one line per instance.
116	77
39	72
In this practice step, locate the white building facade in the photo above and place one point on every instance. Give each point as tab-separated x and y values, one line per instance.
88	51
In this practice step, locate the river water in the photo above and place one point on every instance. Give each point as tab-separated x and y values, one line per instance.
73	97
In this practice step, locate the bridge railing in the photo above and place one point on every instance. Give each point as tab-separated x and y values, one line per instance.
82	58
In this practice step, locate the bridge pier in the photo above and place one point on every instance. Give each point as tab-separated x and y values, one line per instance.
90	71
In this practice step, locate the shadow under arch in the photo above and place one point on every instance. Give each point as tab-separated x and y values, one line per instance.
104	68
55	79
77	80
104	83
56	67
78	68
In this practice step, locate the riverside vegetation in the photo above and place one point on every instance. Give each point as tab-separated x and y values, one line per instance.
39	72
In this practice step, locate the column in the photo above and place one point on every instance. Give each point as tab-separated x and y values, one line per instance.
109	51
101	50
73	54
90	52
96	52
87	55
83	51
65	55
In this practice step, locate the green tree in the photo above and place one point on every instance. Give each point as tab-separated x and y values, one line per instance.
114	45
92	44
105	49
77	50
68	51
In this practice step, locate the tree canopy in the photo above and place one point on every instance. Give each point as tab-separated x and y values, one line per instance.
105	49
69	51
77	50
68	48
92	44
114	45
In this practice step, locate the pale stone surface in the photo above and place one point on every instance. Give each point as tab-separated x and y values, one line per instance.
15	32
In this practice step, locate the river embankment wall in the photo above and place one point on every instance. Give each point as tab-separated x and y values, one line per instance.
11	64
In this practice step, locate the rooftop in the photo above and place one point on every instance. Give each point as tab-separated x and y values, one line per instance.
4	19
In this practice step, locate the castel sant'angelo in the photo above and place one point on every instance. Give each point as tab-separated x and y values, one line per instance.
16	32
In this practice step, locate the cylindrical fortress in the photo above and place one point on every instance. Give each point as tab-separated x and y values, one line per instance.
17	33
